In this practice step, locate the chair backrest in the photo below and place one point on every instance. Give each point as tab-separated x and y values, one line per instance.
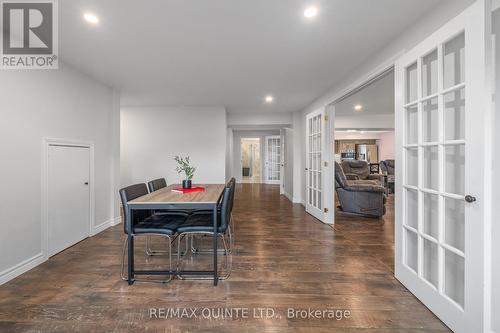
130	193
157	184
231	184
387	166
340	178
356	167
225	214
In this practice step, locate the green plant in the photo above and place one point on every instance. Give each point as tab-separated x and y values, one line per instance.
184	166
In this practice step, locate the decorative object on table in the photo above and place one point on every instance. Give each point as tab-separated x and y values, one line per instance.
184	166
188	190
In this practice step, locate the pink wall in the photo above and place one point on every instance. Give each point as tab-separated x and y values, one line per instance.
386	145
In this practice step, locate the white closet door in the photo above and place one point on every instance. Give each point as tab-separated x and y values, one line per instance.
440	160
68	196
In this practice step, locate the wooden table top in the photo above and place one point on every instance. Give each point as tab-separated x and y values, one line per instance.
166	196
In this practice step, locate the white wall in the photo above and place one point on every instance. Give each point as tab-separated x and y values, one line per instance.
365	121
229	153
270	118
495	308
288	163
375	64
35	104
339	135
299	137
386	146
152	136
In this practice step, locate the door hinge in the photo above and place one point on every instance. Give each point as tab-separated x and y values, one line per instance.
326	210
326	164
326	117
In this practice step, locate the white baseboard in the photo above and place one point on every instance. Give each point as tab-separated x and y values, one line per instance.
288	196
36	260
105	225
21	268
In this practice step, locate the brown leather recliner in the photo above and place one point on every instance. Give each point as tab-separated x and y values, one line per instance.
359	170
359	197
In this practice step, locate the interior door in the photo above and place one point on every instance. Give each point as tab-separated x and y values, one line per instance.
68	196
273	159
316	167
440	114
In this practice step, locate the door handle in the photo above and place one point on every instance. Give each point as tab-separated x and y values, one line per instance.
470	198
86	183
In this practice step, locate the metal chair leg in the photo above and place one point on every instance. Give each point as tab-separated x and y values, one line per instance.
122	270
196	250
230	232
151	252
225	251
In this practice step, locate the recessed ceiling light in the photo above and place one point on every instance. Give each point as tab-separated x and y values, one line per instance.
311	12
269	99
358	107
91	18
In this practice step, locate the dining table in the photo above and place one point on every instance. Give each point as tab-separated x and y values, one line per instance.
167	199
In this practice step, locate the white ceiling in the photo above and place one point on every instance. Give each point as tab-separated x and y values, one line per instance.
376	99
228	52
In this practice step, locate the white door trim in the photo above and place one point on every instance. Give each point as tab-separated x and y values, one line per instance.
329	169
46	143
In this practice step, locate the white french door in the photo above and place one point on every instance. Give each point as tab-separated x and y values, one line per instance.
273	159
440	114
319	201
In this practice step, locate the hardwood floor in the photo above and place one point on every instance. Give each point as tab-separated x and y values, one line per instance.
283	259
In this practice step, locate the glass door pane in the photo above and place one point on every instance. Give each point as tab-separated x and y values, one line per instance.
434	169
430	74
314	167
454	62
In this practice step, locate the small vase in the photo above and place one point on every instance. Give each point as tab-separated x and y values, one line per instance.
186	183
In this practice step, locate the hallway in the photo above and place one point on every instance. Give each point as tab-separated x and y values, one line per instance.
283	259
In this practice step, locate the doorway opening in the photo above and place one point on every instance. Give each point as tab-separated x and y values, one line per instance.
364	146
251	160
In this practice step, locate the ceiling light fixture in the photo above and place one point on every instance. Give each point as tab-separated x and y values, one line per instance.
358	107
310	12
269	99
91	18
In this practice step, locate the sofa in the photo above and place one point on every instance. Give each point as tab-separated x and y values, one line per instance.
387	167
360	170
359	197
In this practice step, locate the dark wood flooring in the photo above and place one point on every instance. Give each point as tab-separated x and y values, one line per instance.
283	259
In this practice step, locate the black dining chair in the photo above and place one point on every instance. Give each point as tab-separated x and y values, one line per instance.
146	222
155	185
202	224
230	229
